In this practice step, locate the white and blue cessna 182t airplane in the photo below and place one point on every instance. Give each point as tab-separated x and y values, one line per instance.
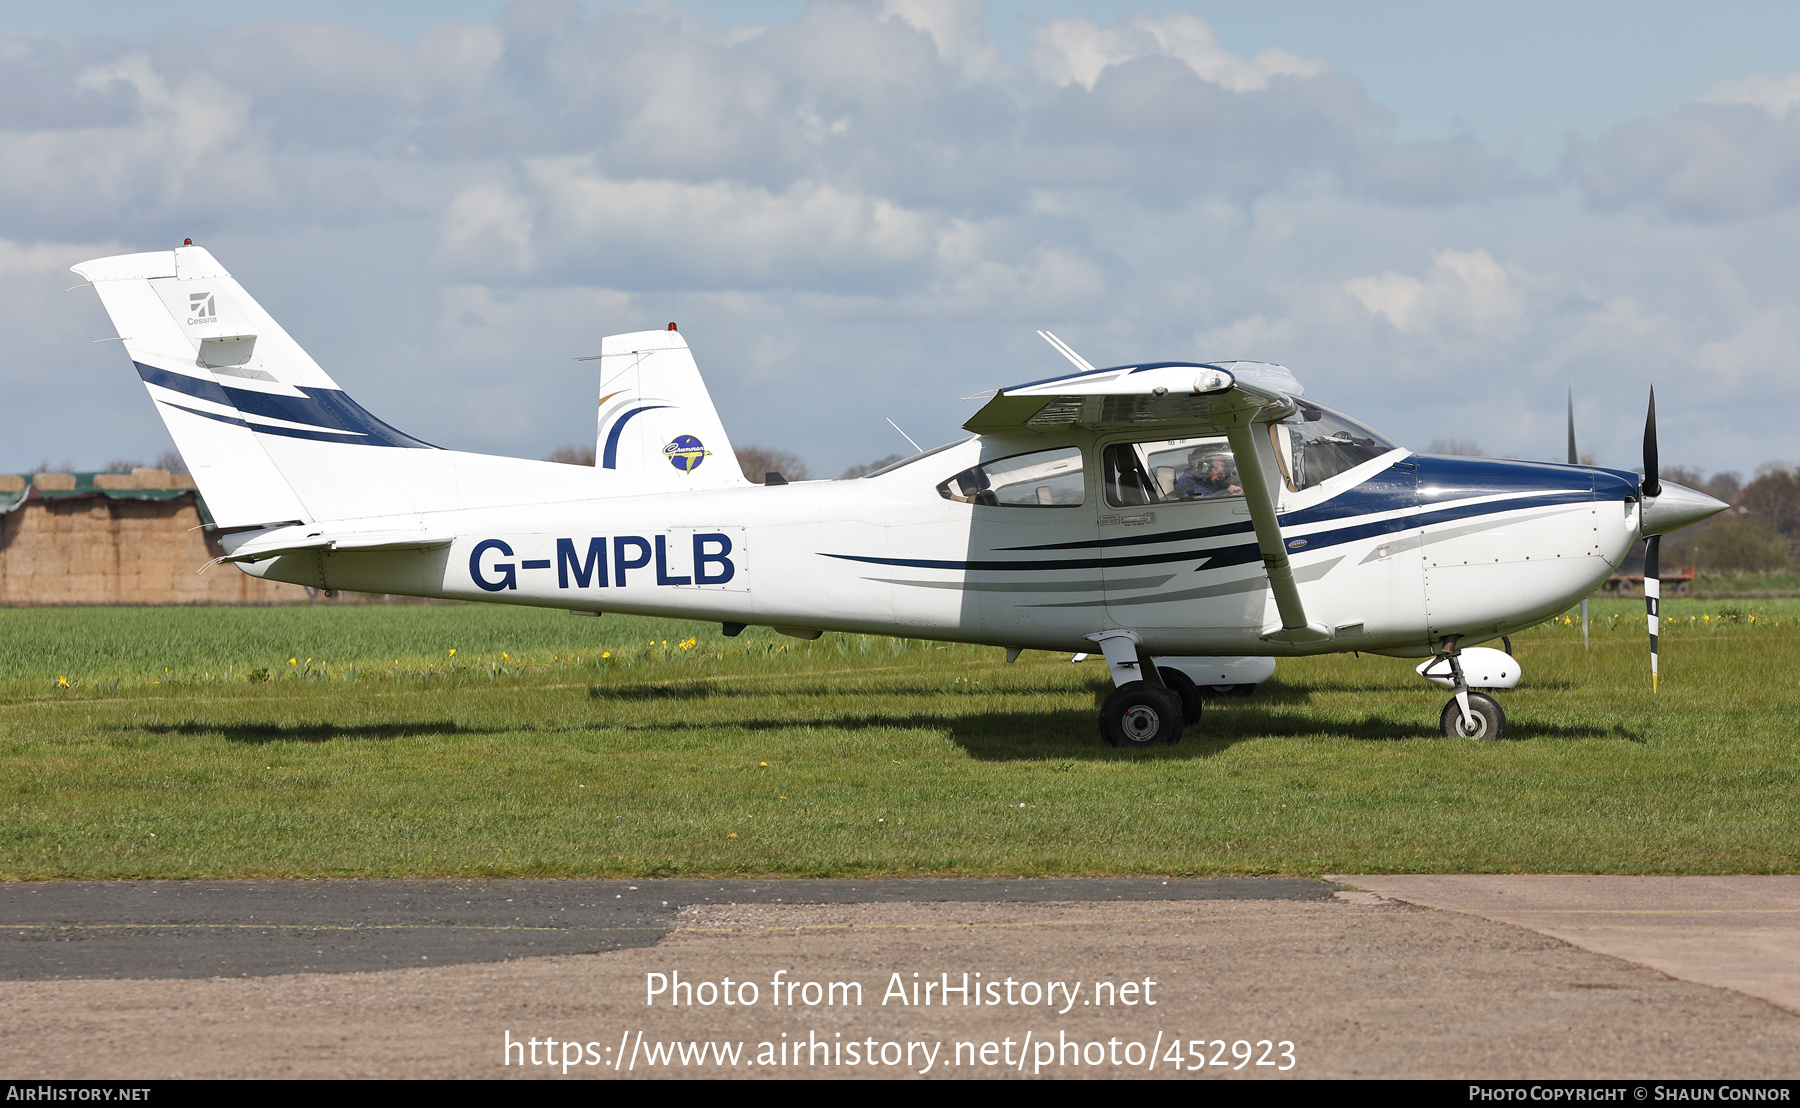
1189	521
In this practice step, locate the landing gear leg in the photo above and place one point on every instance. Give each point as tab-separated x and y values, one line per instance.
1468	715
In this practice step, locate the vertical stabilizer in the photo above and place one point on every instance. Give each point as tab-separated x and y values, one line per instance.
271	438
658	427
182	321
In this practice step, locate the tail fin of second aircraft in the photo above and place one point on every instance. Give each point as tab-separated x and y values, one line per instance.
657	421
271	438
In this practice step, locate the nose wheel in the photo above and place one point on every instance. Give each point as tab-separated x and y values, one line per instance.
1469	715
1485	720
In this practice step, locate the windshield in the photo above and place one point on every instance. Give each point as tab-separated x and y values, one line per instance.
1316	443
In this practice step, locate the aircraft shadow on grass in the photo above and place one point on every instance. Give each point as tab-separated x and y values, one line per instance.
1069	733
257	734
986	735
692	690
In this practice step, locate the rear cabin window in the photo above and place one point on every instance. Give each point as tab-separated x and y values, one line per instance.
1043	479
1169	471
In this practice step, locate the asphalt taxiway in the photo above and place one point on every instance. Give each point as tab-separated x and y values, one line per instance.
145	929
1449	977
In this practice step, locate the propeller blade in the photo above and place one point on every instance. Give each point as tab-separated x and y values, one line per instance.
1653	597
1652	482
1574	458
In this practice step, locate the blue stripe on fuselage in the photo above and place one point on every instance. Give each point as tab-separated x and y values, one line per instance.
1396	489
1141	540
1215	558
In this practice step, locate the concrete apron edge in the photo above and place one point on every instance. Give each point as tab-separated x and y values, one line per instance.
1719	947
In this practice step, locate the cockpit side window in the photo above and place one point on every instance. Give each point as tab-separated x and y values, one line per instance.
1169	471
1316	443
1041	479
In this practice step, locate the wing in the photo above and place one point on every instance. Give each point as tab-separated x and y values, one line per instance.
1236	396
1156	392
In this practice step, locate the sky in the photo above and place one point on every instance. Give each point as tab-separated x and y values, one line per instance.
1440	217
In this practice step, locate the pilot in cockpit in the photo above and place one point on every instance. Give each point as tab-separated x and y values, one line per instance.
1208	473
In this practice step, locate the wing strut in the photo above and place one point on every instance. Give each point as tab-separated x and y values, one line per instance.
1241	431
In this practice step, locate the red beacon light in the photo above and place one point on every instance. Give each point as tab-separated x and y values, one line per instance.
671	326
187	242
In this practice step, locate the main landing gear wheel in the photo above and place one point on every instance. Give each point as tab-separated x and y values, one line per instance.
1490	721
1183	687
1139	714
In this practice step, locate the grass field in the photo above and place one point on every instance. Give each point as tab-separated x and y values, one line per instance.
1747	584
351	741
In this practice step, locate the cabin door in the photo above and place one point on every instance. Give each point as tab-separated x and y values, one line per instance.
1178	548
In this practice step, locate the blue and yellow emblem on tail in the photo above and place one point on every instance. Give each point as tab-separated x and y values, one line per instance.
686	453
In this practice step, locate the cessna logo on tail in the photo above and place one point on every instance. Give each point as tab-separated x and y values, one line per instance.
201	304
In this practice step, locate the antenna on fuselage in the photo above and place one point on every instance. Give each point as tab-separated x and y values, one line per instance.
1067	351
905	436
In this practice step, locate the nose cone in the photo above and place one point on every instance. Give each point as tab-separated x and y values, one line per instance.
1676	508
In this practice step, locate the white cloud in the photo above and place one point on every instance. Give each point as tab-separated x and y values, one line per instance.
1734	155
864	211
1774	95
1255	338
1467	290
487	228
1075	51
1764	351
958	30
1050	281
727	231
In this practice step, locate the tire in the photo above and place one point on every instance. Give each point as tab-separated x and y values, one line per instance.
1183	686
1490	721
1139	714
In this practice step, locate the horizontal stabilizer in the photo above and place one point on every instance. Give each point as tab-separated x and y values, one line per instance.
254	546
